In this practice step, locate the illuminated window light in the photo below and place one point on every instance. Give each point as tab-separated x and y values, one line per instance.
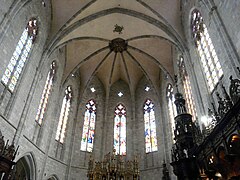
120	94
93	89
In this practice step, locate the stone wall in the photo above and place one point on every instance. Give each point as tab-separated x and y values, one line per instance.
18	110
223	45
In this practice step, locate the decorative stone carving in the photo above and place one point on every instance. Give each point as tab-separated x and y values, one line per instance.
118	45
118	29
113	167
10	152
234	89
227	100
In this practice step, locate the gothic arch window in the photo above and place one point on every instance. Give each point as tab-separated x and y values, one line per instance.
45	94
209	60
187	88
150	127
89	126
20	55
120	129
171	106
62	123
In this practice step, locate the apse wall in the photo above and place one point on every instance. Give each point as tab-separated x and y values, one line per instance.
79	161
150	163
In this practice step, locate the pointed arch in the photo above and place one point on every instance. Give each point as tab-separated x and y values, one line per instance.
120	129
53	177
206	51
45	94
150	127
89	126
25	167
62	123
20	55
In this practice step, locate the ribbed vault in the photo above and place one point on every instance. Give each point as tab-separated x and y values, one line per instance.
87	28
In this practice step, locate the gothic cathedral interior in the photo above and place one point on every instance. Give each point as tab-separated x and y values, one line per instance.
119	89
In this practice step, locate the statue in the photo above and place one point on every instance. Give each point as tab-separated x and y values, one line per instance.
221	106
10	152
227	100
234	89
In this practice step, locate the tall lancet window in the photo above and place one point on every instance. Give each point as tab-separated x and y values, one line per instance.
187	89
20	55
120	130
89	126
45	94
150	127
62	123
171	106
210	62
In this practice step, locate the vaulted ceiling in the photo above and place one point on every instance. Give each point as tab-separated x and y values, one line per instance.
150	29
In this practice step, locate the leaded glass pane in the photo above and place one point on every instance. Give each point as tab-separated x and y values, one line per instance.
89	127
150	127
62	123
7	73
206	50
46	92
4	79
18	58
11	86
120	130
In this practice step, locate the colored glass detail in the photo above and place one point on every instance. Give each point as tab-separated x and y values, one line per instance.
120	130
20	55
89	126
150	127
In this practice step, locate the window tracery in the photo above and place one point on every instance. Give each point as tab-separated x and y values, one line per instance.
45	95
89	126
209	59
62	124
150	127
187	89
120	129
20	55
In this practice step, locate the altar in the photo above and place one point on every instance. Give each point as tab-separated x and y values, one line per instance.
113	167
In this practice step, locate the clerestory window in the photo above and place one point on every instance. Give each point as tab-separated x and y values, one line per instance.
20	55
209	59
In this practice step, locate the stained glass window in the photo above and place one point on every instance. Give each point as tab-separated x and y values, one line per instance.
120	129
210	62
150	127
187	89
171	106
89	126
45	95
20	55
62	123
